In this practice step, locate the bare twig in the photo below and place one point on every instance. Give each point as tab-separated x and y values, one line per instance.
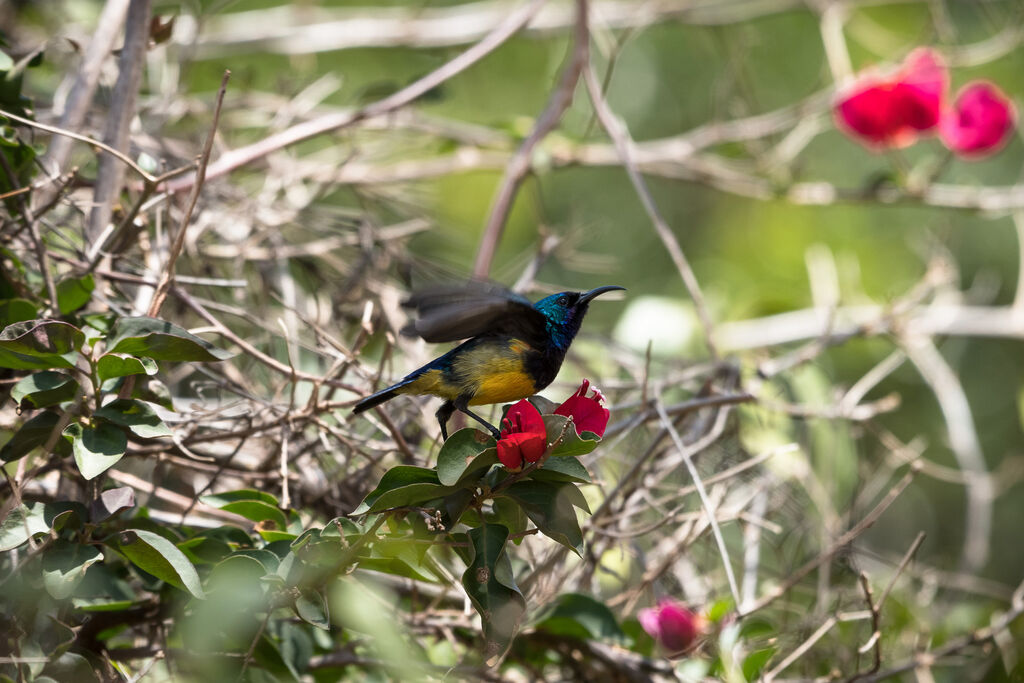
332	122
797	576
964	442
522	161
109	173
705	501
108	26
179	239
625	147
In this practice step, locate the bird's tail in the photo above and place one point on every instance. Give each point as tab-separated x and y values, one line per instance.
381	396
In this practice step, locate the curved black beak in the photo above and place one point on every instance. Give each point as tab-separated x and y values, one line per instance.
585	297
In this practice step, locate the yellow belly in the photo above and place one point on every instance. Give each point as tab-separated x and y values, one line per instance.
487	373
502	388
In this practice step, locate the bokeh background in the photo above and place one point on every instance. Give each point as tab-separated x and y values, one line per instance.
775	208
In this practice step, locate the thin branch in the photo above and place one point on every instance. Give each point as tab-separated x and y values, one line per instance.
179	239
332	122
624	145
108	27
840	543
522	160
709	509
109	173
964	442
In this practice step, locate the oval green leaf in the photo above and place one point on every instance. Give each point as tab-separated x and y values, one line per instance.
112	365
74	292
96	449
161	340
44	389
161	558
39	344
136	416
459	451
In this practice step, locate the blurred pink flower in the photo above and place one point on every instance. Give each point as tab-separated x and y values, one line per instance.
674	626
588	412
891	112
979	122
524	438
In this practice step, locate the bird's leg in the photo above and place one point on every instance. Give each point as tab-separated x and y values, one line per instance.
443	414
462	404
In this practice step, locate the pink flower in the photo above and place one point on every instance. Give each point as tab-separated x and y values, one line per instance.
671	624
891	112
980	121
524	438
588	412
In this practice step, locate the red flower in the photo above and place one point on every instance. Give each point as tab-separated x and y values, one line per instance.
891	112
979	122
524	438
588	412
671	624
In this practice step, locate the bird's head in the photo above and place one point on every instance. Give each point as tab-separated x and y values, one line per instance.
564	312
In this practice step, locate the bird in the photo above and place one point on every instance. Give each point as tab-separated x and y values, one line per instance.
513	347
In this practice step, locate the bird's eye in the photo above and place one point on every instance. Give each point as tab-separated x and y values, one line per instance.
563	301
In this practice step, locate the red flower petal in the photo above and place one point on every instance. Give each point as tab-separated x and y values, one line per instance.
523	417
514	449
523	436
869	113
679	626
510	455
980	121
674	626
921	86
890	112
588	413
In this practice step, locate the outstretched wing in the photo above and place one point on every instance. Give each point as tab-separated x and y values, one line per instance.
453	312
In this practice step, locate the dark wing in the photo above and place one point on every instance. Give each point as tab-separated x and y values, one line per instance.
453	312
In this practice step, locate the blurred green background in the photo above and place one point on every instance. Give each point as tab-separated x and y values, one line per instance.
749	255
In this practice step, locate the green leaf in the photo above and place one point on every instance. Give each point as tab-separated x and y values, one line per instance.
6	63
220	499
103	590
403	485
16	311
580	616
567	469
510	514
96	449
74	292
112	365
257	511
458	452
39	344
34	433
27	520
44	389
550	507
755	662
311	606
161	340
161	558
491	588
138	417
64	566
23	522
204	550
256	506
571	443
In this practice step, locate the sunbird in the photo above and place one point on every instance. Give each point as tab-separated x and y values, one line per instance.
513	348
